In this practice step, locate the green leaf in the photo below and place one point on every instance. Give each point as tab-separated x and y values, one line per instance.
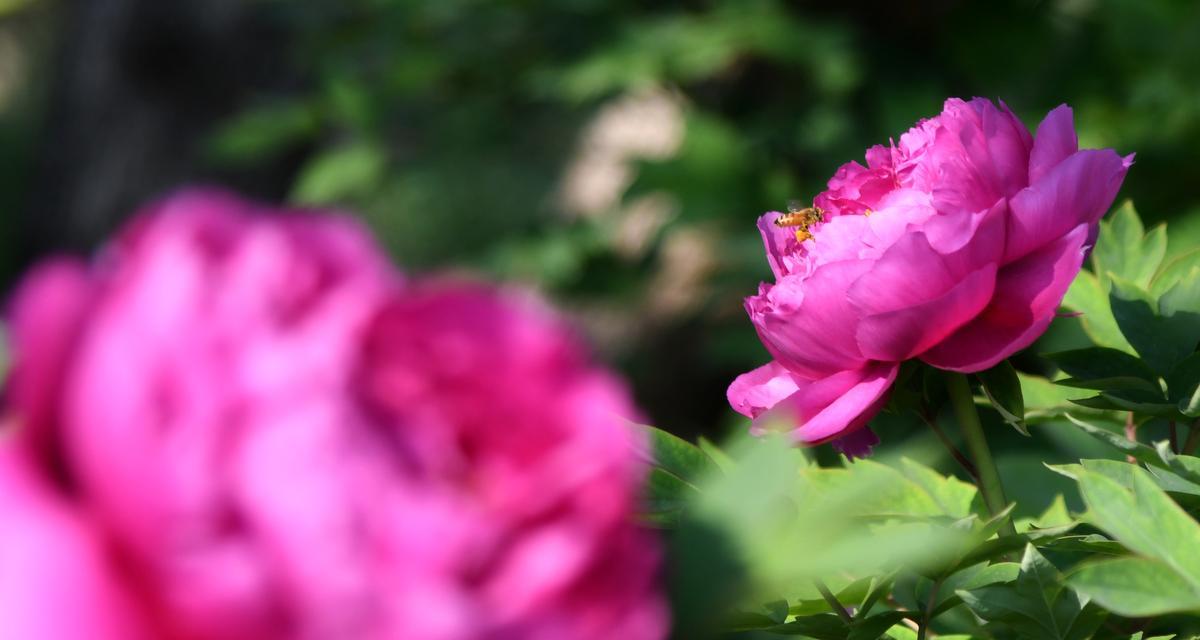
258	133
1003	390
719	457
1186	467
678	457
1144	519
876	625
1183	298
665	497
1045	400
679	467
1091	544
1125	249
824	626
1036	605
1173	271
1183	386
973	577
1088	297
1140	452
1162	333
1135	587
340	174
1122	472
1100	363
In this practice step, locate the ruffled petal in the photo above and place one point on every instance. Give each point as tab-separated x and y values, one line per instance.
46	315
781	245
1079	190
1055	142
921	291
55	583
756	392
840	404
903	333
809	325
1027	294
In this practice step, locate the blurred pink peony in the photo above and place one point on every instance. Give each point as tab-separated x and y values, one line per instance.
954	246
238	425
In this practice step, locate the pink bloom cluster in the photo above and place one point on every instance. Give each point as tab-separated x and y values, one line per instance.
237	425
954	246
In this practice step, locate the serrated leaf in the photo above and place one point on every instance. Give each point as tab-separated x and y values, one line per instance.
1091	544
1136	587
1036	605
1164	332
1128	400
1183	298
1140	452
1088	297
973	577
825	626
679	457
1122	473
665	498
1114	385
1173	271
1187	467
1046	400
875	626
1102	363
1144	519
1124	248
1003	390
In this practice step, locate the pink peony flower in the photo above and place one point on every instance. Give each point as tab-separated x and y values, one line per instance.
954	246
237	425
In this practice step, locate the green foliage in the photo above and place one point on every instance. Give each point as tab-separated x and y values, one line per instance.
1148	329
1003	389
1164	575
1036	604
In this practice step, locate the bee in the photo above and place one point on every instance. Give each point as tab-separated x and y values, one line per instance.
800	217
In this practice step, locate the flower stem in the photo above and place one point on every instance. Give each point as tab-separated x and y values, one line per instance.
931	421
833	603
968	419
1193	440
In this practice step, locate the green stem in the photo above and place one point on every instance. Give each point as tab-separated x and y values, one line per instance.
968	419
833	603
923	629
1193	440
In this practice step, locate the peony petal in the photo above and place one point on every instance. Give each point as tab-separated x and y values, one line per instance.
779	242
46	315
980	154
55	583
903	333
1055	142
840	404
916	295
808	325
1079	190
1027	294
757	391
1008	146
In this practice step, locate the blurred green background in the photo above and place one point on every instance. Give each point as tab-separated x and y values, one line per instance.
612	153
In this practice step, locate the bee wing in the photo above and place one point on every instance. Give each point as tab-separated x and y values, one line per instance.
795	205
